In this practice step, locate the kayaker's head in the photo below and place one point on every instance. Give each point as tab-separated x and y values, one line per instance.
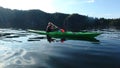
49	24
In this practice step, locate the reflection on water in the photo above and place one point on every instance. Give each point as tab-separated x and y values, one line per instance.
51	39
21	52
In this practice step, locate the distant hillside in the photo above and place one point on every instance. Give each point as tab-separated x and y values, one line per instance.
37	19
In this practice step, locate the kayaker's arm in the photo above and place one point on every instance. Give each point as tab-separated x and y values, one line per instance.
55	26
52	27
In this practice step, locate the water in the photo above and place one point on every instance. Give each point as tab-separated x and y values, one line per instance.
21	49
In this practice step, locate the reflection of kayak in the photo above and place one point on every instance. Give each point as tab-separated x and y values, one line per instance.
69	35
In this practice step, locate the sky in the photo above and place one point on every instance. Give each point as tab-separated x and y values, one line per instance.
92	8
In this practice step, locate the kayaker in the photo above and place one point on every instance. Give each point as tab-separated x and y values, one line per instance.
50	28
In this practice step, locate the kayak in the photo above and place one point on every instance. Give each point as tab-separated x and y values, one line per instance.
68	34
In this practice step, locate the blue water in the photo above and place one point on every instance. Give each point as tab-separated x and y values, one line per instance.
17	51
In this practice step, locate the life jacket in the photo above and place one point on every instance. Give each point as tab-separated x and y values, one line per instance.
62	30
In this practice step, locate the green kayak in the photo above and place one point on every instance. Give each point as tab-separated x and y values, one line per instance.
68	35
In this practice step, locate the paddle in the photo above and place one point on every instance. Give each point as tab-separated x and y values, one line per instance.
62	30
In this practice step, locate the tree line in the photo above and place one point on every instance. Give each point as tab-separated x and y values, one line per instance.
37	19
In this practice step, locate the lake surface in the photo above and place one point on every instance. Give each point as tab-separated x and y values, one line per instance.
22	49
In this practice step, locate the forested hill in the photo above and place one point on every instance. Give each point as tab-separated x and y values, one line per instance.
37	19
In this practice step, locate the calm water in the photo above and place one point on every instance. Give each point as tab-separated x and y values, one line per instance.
21	49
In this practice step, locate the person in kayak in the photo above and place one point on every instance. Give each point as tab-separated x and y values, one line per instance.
50	28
